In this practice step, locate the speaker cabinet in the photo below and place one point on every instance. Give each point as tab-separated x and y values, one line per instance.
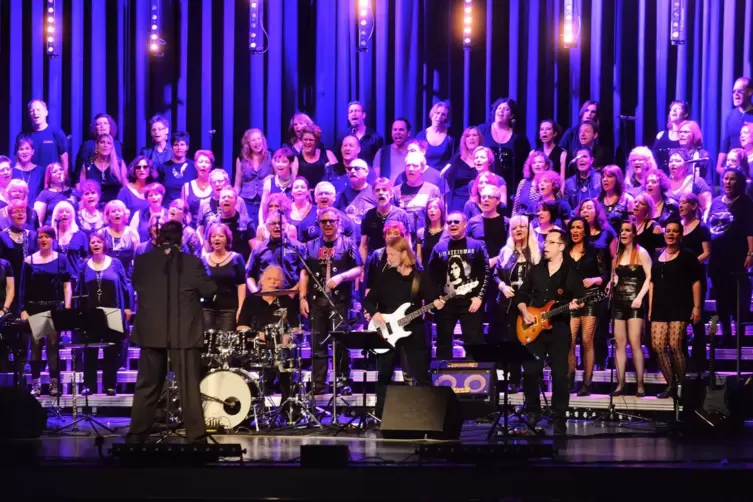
21	415
421	413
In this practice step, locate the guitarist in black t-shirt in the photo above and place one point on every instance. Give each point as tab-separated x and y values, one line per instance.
401	283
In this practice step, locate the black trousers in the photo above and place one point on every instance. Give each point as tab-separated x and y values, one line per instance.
556	344
222	320
411	349
508	326
321	325
470	323
725	292
110	364
149	384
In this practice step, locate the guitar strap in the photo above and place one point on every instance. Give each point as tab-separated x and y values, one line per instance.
414	285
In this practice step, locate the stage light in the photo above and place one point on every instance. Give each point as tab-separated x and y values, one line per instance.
571	26
156	43
365	25
256	31
50	38
467	22
677	22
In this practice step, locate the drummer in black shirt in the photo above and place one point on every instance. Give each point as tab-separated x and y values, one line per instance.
258	312
402	282
554	278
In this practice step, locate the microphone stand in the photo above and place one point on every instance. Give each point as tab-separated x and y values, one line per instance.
332	316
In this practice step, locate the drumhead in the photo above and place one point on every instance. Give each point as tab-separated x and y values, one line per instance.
227	397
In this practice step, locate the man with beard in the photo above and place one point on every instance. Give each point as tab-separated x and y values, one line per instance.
169	286
551	279
359	197
336	263
228	214
456	262
324	196
373	222
389	162
368	138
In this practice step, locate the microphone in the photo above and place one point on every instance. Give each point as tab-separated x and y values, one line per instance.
695	161
627	117
581	156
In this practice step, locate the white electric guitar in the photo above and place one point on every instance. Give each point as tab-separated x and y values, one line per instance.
393	327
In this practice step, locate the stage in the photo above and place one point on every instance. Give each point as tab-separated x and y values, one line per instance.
595	461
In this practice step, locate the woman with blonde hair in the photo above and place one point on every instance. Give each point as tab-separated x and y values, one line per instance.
461	171
56	190
252	167
71	241
441	144
106	168
640	162
516	258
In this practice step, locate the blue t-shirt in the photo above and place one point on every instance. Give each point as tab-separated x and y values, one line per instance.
49	145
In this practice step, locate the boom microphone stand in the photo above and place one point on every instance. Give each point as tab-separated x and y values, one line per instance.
333	316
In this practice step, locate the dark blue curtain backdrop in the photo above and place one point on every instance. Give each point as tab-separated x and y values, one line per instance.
208	80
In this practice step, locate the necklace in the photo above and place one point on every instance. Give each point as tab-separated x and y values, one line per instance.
218	263
99	274
282	185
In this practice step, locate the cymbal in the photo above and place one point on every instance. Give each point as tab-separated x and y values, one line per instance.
277	292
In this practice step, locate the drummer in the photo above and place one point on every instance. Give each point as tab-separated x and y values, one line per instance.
258	312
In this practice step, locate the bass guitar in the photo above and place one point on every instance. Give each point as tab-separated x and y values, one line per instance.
393	326
527	333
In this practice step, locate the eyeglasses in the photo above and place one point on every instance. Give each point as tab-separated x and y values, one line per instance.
328	222
142	166
354	168
454	222
738	91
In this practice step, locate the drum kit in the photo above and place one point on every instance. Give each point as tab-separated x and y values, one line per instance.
239	362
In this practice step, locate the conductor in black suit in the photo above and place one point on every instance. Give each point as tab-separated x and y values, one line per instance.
169	285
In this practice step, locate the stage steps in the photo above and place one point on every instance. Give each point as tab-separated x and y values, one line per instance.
625	404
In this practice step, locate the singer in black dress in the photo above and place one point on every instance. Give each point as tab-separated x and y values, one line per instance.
103	283
674	301
45	284
631	278
227	270
592	266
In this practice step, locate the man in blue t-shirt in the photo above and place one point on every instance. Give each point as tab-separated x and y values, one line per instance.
742	92
50	143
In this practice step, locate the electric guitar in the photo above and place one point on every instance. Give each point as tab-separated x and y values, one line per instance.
527	333
393	327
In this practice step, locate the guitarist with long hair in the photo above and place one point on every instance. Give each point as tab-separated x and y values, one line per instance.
554	278
402	282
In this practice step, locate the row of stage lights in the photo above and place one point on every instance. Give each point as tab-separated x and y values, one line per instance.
365	26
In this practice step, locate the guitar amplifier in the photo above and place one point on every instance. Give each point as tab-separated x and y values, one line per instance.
475	385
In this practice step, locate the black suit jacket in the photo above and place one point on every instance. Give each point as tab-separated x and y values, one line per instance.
169	310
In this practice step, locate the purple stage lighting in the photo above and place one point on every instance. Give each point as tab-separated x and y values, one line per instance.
365	25
50	32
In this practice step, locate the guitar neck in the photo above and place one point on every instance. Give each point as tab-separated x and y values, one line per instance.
418	313
563	308
414	315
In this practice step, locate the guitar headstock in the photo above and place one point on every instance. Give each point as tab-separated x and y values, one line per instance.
595	296
463	289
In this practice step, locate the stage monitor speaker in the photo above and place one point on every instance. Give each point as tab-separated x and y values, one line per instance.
474	383
21	415
421	413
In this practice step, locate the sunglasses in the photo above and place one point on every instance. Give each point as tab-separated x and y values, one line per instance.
354	168
327	222
454	222
142	166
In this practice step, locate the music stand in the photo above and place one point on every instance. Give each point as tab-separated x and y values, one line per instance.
366	342
91	325
505	354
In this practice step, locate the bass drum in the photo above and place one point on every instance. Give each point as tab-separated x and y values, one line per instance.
228	397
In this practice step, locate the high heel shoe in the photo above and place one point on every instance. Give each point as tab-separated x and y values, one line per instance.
36	387
667	393
641	391
585	389
54	390
617	392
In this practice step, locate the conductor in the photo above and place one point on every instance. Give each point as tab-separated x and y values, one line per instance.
169	285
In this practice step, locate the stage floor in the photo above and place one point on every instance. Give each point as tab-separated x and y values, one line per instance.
633	459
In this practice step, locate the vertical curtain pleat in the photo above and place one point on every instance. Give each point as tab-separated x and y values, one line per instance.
15	85
207	79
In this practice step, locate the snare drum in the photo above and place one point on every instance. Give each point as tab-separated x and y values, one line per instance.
222	346
228	396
